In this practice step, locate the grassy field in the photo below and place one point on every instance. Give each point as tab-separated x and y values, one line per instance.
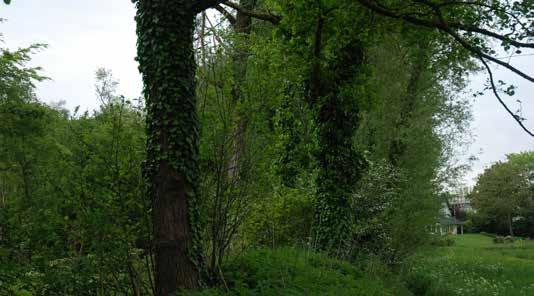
473	266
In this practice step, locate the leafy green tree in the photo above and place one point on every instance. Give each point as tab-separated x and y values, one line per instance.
500	193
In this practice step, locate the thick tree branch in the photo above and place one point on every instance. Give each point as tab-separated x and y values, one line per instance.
226	14
452	28
274	19
315	90
481	54
200	5
440	25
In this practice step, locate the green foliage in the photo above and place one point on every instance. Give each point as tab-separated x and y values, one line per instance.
282	220
71	213
441	241
409	128
336	130
374	205
296	272
503	194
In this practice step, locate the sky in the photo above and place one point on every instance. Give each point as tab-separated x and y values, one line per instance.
83	36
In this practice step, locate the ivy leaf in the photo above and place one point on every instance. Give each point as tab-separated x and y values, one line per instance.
7	1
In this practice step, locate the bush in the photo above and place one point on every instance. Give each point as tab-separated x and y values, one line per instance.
290	271
469	227
441	241
501	239
498	239
281	220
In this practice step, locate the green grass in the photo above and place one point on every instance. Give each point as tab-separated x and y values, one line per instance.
473	266
296	272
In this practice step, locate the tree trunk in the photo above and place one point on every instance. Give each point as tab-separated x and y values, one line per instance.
510	228
166	61
242	27
337	120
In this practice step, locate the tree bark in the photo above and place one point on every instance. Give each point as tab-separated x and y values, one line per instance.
166	62
510	227
242	27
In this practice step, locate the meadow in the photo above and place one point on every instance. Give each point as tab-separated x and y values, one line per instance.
474	265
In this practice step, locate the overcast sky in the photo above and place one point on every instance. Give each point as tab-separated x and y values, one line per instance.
85	35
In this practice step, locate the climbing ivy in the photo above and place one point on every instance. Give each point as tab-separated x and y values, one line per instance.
336	88
340	164
166	61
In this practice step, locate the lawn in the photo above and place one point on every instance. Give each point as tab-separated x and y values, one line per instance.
474	265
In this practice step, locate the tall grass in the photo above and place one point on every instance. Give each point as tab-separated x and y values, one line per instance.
290	271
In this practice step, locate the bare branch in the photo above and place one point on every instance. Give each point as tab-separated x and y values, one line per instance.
496	93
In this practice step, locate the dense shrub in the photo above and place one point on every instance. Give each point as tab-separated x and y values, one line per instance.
441	241
374	204
498	239
299	272
503	239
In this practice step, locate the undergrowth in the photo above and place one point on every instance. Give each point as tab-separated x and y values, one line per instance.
290	271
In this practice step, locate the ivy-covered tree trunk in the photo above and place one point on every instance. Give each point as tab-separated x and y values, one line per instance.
339	163
166	61
339	169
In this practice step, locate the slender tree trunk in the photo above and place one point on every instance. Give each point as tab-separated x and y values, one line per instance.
233	167
242	27
166	61
510	228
